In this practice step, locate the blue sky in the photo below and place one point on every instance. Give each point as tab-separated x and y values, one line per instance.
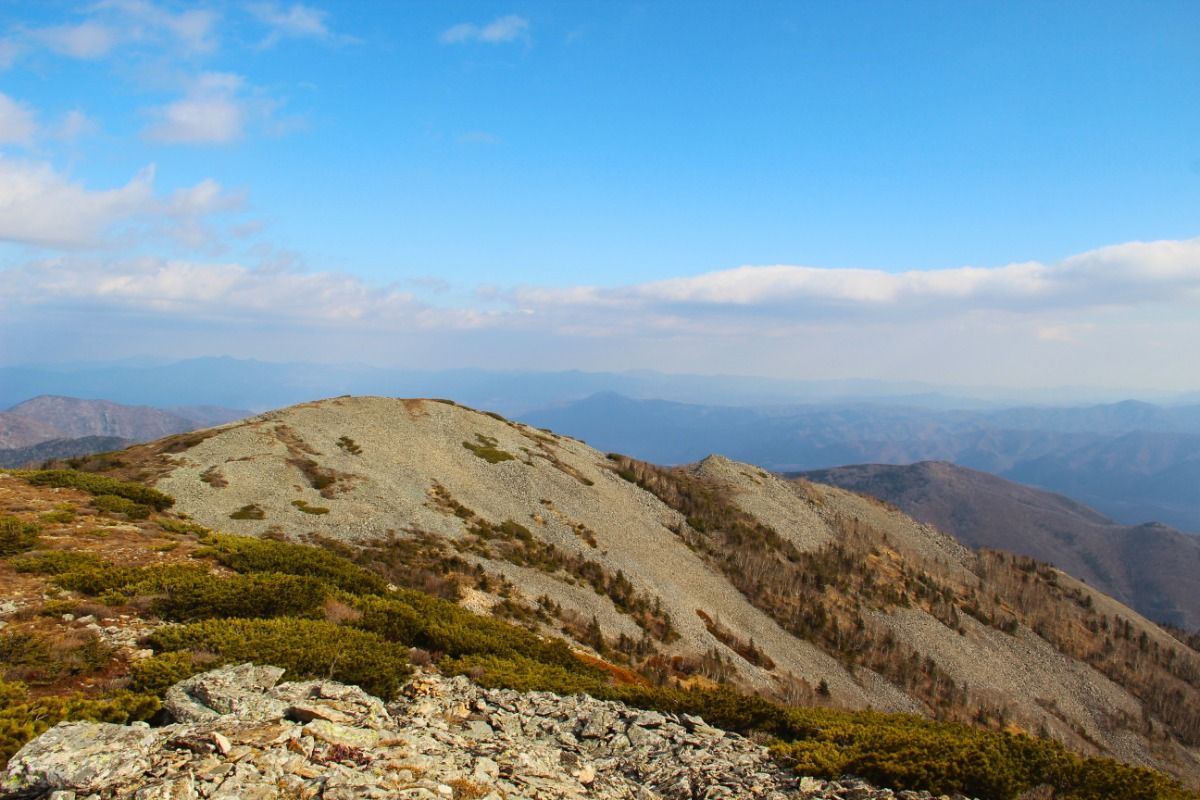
957	192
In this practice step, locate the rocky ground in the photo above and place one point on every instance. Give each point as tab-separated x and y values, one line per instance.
238	735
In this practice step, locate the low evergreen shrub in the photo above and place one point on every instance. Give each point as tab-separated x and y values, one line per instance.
55	562
22	718
305	648
248	512
419	620
16	536
114	504
207	596
182	526
158	673
246	554
95	484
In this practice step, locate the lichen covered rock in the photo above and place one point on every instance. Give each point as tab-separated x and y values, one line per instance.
237	734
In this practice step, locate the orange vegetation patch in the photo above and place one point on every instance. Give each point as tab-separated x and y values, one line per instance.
415	408
619	674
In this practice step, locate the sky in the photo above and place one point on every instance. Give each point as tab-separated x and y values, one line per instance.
986	193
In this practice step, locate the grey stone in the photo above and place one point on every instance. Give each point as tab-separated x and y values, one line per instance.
81	756
236	690
239	735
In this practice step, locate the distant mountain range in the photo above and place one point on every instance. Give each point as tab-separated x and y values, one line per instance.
258	385
1132	461
60	427
1150	567
36	454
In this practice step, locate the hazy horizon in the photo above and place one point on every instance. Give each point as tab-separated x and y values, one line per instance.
148	380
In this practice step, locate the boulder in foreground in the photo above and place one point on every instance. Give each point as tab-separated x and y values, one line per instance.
239	734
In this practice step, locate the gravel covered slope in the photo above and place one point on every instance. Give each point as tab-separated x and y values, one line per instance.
374	467
408	447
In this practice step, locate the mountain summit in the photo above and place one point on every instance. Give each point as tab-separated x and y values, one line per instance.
716	571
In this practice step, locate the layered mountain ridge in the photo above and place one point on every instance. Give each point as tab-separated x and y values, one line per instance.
718	571
52	426
1133	461
1150	567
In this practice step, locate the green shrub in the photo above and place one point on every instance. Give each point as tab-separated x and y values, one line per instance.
307	509
11	693
56	562
486	448
419	620
23	719
182	526
99	485
206	596
157	674
56	608
248	512
89	574
36	658
305	648
247	554
16	536
62	515
525	675
24	649
907	752
113	504
98	578
186	592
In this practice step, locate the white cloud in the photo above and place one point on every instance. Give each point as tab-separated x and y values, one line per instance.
86	40
10	49
111	24
193	30
40	206
223	291
510	28
17	122
74	125
1119	276
186	212
294	22
210	112
1123	315
204	198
